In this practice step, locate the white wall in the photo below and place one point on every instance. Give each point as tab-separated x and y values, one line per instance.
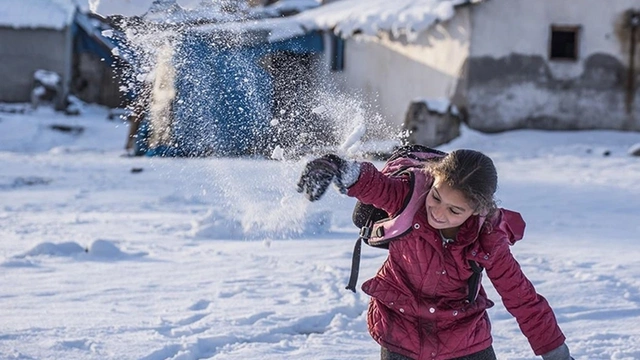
502	27
390	73
558	96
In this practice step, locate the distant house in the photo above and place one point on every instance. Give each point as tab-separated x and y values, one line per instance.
503	64
34	34
52	35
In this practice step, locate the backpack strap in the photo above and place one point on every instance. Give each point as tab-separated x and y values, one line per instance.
380	233
355	265
364	235
385	230
474	281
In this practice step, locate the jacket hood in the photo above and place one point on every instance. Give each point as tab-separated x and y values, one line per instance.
512	224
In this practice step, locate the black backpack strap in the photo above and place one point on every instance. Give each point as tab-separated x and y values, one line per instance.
474	281
365	233
355	265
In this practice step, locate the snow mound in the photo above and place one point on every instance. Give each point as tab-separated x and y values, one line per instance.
99	249
106	249
51	249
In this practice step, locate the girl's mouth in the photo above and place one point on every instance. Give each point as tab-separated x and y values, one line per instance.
434	219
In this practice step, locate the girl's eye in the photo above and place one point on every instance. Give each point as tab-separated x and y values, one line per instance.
454	212
436	198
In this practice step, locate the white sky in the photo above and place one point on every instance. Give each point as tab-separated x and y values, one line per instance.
222	259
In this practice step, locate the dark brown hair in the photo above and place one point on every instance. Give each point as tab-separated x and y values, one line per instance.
473	174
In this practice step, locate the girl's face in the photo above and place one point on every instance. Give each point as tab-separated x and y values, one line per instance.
446	208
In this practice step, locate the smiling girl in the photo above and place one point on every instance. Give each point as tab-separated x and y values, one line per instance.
419	307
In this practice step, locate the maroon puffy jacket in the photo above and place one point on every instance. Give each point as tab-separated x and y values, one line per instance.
419	304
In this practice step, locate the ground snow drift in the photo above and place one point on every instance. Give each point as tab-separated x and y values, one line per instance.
220	258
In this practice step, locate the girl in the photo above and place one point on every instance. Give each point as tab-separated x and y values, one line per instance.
419	306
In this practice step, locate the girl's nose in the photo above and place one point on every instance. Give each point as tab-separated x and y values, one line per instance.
437	213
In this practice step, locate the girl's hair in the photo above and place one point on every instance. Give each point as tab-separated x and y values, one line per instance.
472	173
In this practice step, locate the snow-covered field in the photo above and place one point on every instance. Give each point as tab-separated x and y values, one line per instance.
112	257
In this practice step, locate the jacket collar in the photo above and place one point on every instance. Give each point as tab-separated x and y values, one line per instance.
468	232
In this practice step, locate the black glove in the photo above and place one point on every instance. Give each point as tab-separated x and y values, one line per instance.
319	173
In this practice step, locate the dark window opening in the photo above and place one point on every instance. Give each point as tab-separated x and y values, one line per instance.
564	43
337	53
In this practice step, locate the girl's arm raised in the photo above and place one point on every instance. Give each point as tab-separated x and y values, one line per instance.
382	191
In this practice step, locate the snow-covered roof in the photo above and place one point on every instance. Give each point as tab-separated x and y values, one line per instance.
37	14
347	17
177	11
284	6
116	7
344	17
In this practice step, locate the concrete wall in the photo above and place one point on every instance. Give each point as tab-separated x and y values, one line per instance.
23	51
387	74
512	83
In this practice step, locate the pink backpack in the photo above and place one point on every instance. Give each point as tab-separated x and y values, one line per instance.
377	228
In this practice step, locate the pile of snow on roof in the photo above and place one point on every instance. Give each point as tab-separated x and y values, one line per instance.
37	14
400	17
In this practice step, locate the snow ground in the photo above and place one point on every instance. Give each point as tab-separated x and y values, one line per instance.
112	257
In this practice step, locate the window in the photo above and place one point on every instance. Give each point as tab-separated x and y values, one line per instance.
337	52
564	42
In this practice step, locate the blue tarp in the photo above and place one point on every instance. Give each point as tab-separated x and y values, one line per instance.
89	37
224	96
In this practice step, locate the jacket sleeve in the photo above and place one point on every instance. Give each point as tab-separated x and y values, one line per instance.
531	310
382	191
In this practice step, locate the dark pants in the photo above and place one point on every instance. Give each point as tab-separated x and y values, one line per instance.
486	354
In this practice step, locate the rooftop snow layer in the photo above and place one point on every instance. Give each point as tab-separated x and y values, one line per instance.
36	14
348	17
189	9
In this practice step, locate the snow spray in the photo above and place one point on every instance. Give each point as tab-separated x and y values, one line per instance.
305	119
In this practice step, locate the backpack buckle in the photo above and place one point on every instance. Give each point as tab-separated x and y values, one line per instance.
365	232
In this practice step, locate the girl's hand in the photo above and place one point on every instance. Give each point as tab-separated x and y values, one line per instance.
319	173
